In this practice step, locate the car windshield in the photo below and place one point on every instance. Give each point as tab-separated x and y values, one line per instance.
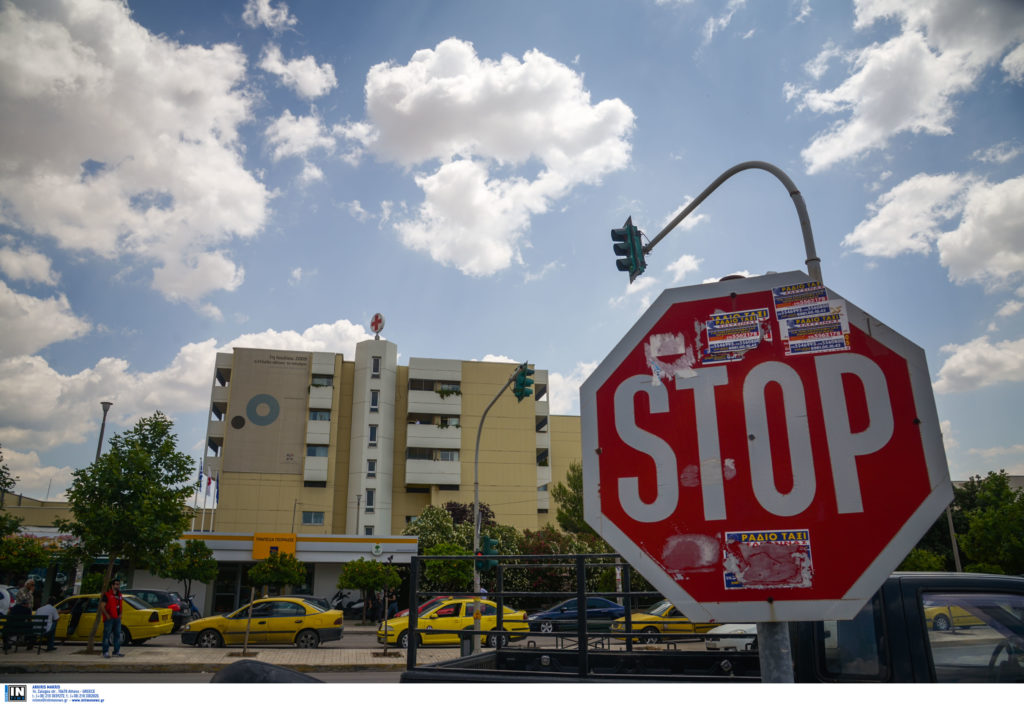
660	608
136	602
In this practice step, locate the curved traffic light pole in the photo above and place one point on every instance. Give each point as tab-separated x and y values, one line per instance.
813	262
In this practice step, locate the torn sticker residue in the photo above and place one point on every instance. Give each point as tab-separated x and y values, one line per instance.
764	559
688	553
729	468
690	476
731	335
668	355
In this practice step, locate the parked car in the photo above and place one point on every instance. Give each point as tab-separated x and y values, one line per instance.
425	606
285	619
455	615
320	602
163	599
139	620
732	636
945	617
6	598
662	621
561	617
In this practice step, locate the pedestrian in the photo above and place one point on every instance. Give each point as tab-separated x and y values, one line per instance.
110	609
24	600
50	611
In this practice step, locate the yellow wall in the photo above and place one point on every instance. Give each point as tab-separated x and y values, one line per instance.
565	449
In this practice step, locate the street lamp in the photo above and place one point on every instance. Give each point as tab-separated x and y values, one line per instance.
106	407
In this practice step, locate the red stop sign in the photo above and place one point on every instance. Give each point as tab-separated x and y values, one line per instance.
762	450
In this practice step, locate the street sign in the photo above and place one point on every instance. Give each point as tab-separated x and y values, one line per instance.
761	450
377	323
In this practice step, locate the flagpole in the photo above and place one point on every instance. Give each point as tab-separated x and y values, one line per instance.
195	497
205	494
216	499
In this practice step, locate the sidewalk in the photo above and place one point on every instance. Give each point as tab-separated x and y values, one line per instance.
147	658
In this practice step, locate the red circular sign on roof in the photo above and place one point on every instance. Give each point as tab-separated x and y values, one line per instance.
377	323
761	450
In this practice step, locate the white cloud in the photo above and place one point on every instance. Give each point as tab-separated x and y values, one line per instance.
980	363
262	12
948	441
999	154
818	66
289	136
530	276
1013	65
641	288
159	183
356	210
295	278
715	279
26	264
34	478
1010	308
713	25
991	452
499	358
686	264
564	389
908	218
304	75
30	324
988	246
910	82
689	222
463	116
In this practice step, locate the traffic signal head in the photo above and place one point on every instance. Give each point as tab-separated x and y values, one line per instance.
522	383
629	247
489	546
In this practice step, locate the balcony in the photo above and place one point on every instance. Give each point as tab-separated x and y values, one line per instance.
430	435
212	465
432	472
219	395
215	429
433	402
543	441
543	476
321	396
314	469
318	432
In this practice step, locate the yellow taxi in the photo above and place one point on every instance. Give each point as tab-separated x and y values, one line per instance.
139	621
456	615
281	620
660	622
942	618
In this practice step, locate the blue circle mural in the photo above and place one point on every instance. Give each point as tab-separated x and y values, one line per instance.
253	407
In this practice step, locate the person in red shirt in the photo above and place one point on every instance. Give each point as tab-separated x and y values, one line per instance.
110	609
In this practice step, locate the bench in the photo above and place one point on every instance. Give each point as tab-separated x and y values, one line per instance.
27	631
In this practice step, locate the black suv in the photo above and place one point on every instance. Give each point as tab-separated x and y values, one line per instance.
163	599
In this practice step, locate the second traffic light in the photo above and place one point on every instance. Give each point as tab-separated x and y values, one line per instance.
630	248
522	383
489	547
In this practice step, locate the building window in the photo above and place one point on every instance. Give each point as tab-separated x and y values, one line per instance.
314	485
449	386
367	530
318	414
371	495
450	422
542	510
312	518
316	450
417	490
375	367
374	401
419	453
409	520
373	436
421	384
448	487
323	380
448	455
371	468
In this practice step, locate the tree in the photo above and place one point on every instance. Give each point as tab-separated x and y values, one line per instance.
447	575
9	524
995	527
464	513
432	527
277	570
368	576
18	555
569	498
131	503
923	560
193	561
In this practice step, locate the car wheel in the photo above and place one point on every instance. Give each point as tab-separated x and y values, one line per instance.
403	639
494	638
650	636
546	627
941	623
307	639
126	636
209	639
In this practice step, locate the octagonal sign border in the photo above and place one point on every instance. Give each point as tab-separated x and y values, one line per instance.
754	610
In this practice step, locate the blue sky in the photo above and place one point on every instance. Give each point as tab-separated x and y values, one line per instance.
180	178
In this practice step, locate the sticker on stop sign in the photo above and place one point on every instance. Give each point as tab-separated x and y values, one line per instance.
762	450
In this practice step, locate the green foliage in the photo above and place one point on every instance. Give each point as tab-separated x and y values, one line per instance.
447	575
984	568
132	502
278	570
434	526
995	526
9	524
923	560
193	561
368	576
464	513
18	555
92	583
569	500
